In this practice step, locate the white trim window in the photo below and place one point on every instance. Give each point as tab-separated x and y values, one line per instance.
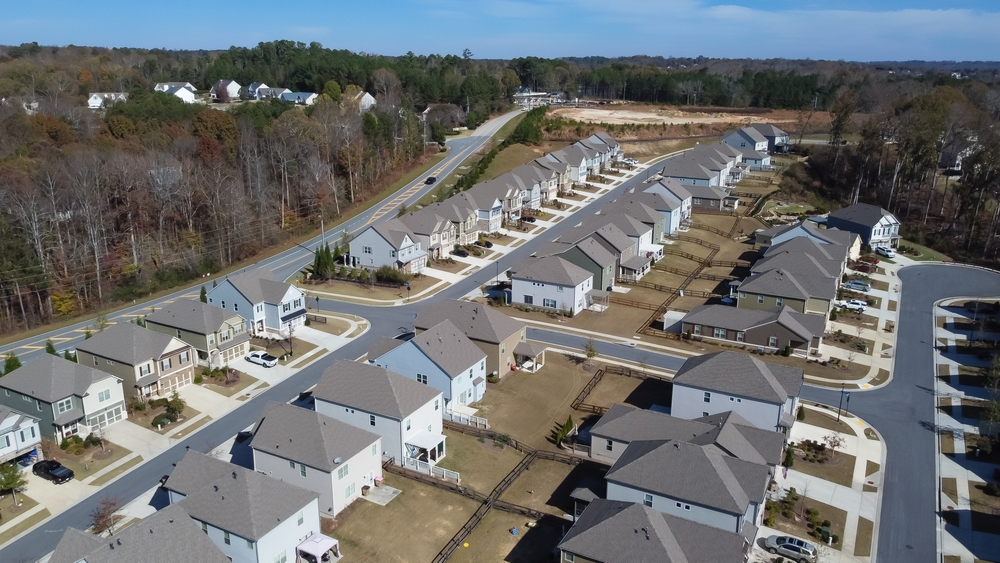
165	364
64	405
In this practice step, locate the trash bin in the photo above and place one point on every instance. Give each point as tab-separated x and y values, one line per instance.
365	489
378	481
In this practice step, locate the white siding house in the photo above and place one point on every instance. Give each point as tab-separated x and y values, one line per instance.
551	283
228	89
19	434
267	305
99	100
388	244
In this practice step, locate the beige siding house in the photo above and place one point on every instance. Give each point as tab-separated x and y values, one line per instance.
495	333
149	363
217	335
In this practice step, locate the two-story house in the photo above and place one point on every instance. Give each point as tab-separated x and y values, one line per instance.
875	226
316	452
251	517
779	287
254	90
575	159
781	326
389	244
442	357
405	413
268	305
629	263
149	363
433	232
809	230
509	195
225	90
587	254
672	190
19	434
218	336
493	332
487	208
546	181
561	172
765	394
777	140
551	283
68	398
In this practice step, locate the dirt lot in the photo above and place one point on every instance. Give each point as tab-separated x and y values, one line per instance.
641	393
619	320
391	533
546	486
649	114
492	540
481	464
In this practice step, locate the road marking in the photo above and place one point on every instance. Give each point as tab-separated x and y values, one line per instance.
26	347
60	338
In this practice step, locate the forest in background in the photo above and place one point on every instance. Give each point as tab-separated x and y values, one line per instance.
106	207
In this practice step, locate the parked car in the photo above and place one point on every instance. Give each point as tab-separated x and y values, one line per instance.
262	358
864	267
430	180
853	305
859	285
52	470
528	219
885	251
787	546
461	252
484	243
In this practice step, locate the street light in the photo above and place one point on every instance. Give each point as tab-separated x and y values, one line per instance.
407	284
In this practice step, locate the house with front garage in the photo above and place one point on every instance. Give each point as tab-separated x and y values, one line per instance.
488	210
441	357
405	413
103	100
463	218
254	90
810	230
629	263
250	517
66	397
267	305
636	209
508	193
218	336
316	452
390	244
433	232
777	140
184	94
587	254
875	226
746	139
672	190
149	363
575	159
544	180
612	531
690	172
19	434
769	330
765	394
551	283
560	170
496	334
779	287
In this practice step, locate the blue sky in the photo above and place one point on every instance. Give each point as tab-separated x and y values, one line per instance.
849	29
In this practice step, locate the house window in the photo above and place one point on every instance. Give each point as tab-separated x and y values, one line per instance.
6	439
348	409
421	378
697	329
184	357
647	500
342	472
165	364
349	491
436	401
569	557
559	289
760	299
392	254
178	333
720	333
302	518
374	450
708	397
777	302
482	364
25	398
704	413
371	419
281	558
772	341
249	544
366	249
223	304
95	360
697	201
224	336
204	527
735	400
286	307
740	335
528	300
610	446
64	405
550	303
225	538
211	339
103	395
297	303
291	464
302	470
407	424
458	381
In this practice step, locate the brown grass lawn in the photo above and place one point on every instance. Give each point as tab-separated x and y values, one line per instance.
298	347
863	542
528	405
985	509
857	319
619	320
799	526
947	443
949	486
481	464
145	418
332	326
839	470
871	467
613	389
452	266
219	387
492	540
892	305
971	408
394	533
546	485
848	342
94	458
352	289
828	421
972	376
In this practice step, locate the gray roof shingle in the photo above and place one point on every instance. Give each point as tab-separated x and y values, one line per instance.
782	283
383	345
395	232
476	320
190	315
372	389
449	348
612	531
128	344
804	325
768	130
742	375
862	214
51	378
307	437
550	269
257	287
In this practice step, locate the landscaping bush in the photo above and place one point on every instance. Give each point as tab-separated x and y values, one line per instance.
198	379
161	419
77	449
175	406
92	440
137	406
801	415
789	458
157	403
64	444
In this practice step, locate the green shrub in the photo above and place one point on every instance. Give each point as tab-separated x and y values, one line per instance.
801	415
157	403
138	406
92	440
76	439
835	538
161	419
198	379
175	405
789	458
64	444
77	449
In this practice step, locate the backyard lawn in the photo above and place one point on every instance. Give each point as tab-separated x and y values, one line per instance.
482	465
492	540
546	485
839	470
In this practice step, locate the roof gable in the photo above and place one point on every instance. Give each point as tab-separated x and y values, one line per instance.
476	320
742	375
448	347
51	378
130	344
372	389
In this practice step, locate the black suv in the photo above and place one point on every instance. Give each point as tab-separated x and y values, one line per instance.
53	471
430	180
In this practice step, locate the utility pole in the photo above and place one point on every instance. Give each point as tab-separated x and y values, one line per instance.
322	229
841	404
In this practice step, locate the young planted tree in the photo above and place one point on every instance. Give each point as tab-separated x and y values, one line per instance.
102	517
11	478
590	349
833	441
11	363
204	295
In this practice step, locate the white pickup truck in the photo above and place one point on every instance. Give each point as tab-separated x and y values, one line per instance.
853	305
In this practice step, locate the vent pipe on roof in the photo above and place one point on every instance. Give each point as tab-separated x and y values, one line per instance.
234	474
337	460
647	532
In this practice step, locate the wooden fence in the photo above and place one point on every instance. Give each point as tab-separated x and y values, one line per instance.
316	318
630	303
710	229
681	253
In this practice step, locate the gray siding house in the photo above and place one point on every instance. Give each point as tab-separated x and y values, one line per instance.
217	336
390	244
148	362
268	305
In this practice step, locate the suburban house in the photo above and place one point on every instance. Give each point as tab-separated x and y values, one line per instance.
610	531
217	335
299	98
712	198
614	149
364	101
100	100
725	160
771	329
551	283
694	482
667	209
316	452
672	190
167	86
690	172
778	287
405	413
268	305
19	434
390	244
68	398
488	210
564	180
254	90
508	194
149	363
746	139
629	263
807	256
777	140
442	357
728	432
529	182
809	230
227	90
168	534
546	178
875	226
575	159
462	217
265	93
186	95
433	232
493	332
765	394
634	208
251	517
587	254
